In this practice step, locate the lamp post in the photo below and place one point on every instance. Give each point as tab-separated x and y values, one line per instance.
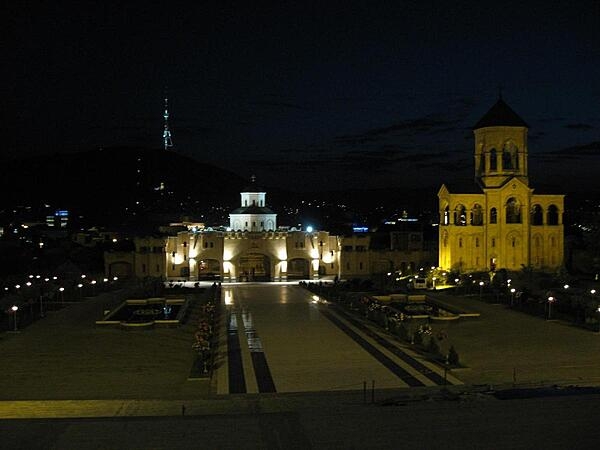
80	286
481	283
550	301
512	296
14	309
93	283
62	294
598	311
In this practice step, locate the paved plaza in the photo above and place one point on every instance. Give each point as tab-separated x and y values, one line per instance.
290	374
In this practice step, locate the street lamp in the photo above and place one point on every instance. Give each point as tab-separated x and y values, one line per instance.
14	309
93	283
550	301
598	310
62	294
80	286
512	295
481	283
566	286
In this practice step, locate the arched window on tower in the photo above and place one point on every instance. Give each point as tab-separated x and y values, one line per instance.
552	215
445	219
506	159
460	215
482	163
513	211
477	215
493	215
537	215
510	156
493	160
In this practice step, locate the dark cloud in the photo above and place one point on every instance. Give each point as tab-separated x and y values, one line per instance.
579	126
425	124
283	105
590	149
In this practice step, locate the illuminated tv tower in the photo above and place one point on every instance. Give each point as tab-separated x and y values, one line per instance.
168	142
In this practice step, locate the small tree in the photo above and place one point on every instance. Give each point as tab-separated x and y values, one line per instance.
453	356
418	338
432	346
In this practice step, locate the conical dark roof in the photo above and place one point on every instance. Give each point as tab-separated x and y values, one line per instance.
500	115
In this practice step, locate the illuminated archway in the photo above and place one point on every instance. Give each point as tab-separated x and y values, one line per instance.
254	267
298	269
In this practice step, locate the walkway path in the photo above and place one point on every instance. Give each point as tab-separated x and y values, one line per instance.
279	339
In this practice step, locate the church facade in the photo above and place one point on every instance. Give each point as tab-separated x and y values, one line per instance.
499	222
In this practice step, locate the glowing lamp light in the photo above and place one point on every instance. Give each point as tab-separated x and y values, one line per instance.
61	289
14	308
309	229
481	283
80	285
115	278
566	286
28	283
593	291
513	290
93	282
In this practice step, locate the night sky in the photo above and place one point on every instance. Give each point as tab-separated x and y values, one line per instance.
307	96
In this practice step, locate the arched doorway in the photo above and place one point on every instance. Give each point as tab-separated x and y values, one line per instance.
209	269
121	269
298	269
254	267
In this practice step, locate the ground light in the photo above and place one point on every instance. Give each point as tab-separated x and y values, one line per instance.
14	309
550	301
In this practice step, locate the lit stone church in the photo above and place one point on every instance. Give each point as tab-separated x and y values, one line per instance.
499	222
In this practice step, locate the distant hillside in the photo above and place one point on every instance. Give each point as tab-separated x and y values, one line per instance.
106	181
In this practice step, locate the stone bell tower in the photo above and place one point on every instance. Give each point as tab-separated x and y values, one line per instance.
500	147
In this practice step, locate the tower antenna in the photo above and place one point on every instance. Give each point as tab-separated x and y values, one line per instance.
167	141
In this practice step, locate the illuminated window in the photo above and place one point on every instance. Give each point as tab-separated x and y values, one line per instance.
477	215
460	216
552	215
513	211
493	160
446	216
537	215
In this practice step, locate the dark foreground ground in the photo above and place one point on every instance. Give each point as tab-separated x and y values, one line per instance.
341	420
